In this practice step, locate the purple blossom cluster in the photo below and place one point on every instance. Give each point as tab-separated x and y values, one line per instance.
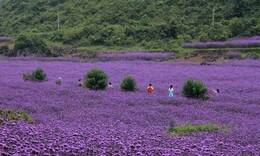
71	120
232	43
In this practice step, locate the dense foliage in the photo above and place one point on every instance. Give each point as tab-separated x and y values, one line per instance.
15	115
36	75
30	45
39	74
194	89
147	23
190	128
4	49
128	84
96	79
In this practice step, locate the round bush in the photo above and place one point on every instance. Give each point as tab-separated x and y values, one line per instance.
128	84
194	89
96	79
39	75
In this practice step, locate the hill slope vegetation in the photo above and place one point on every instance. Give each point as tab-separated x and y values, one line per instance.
147	23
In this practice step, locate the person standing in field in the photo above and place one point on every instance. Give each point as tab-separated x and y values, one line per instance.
171	91
59	81
110	85
214	91
80	83
150	89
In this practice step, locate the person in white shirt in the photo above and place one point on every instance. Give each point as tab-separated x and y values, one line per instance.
110	85
80	83
59	81
171	91
215	91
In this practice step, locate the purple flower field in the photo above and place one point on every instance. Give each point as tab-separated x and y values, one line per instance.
236	42
70	120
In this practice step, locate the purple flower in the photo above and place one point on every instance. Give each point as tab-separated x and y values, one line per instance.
74	120
236	42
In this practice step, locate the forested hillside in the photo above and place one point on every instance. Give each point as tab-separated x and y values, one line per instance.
130	22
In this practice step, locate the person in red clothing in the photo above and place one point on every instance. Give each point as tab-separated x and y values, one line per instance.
150	89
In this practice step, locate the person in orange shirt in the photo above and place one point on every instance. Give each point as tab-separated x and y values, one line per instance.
150	89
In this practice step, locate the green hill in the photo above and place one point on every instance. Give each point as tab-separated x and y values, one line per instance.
127	23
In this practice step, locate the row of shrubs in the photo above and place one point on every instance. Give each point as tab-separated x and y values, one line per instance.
32	45
97	79
27	45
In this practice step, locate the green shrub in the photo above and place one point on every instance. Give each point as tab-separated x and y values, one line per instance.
96	79
70	36
30	45
57	51
253	56
4	49
194	89
15	115
36	75
39	74
128	84
190	128
87	54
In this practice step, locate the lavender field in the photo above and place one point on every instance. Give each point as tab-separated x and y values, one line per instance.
70	120
244	42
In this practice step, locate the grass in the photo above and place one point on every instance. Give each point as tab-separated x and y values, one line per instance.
190	128
10	115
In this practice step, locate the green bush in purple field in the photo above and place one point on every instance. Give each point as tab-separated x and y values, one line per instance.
128	84
191	128
194	89
96	79
36	75
15	115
